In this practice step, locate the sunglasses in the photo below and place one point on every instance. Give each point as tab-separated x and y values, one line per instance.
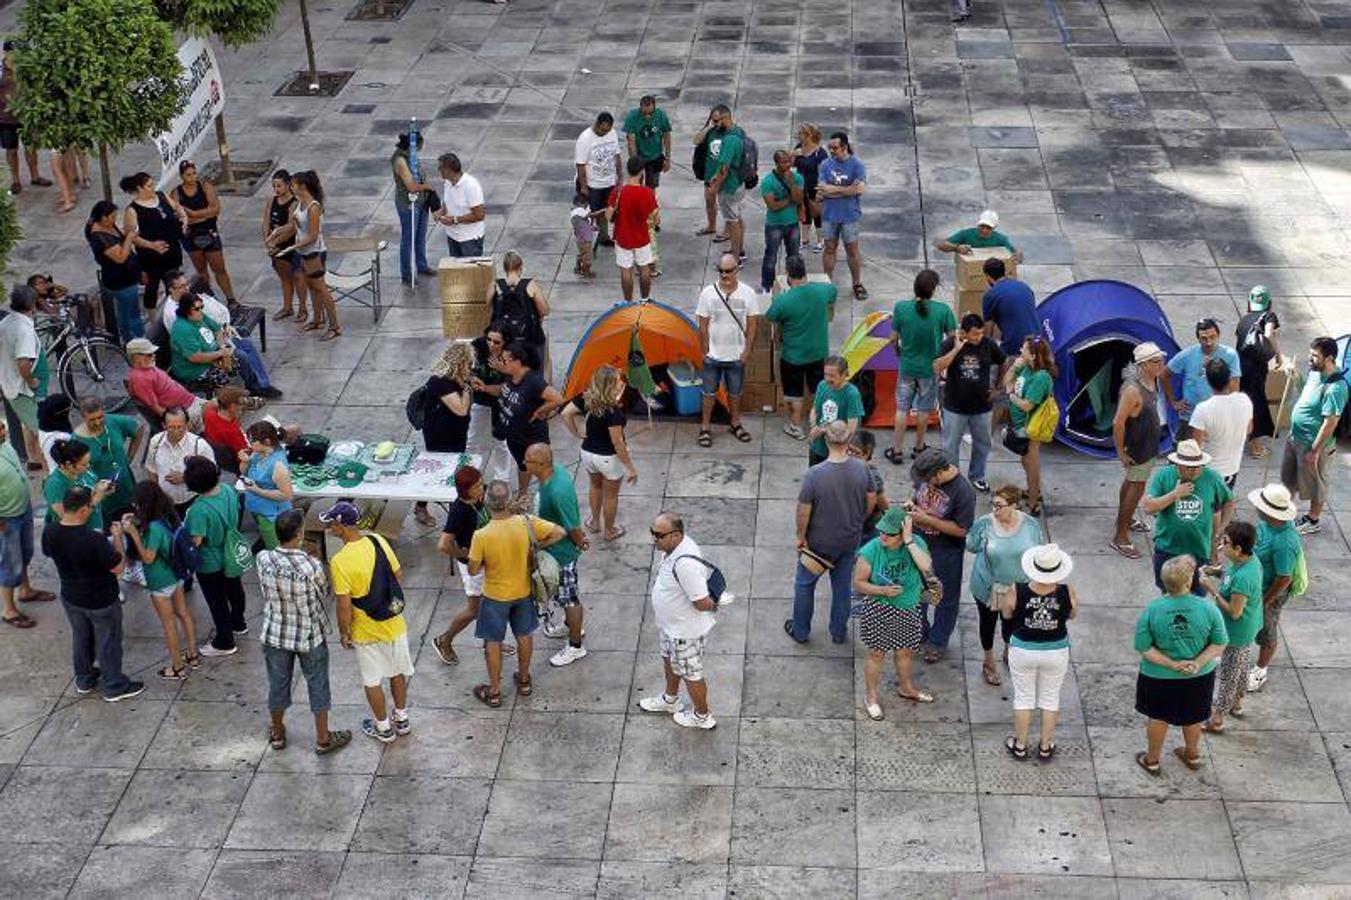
658	535
727	271
198	308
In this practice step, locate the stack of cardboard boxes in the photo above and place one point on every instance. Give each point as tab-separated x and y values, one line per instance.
971	282
762	390
465	285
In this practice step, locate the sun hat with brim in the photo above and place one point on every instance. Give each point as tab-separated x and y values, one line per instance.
814	562
1189	453
141	347
892	521
1275	501
1047	564
1146	351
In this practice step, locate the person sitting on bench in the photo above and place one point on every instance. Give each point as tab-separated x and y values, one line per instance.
249	362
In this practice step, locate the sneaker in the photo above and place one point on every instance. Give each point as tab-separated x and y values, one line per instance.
134	574
270	393
210	650
239	631
132	689
95	683
384	736
981	485
688	718
658	703
567	655
1307	525
819	246
403	726
1257	679
795	432
555	630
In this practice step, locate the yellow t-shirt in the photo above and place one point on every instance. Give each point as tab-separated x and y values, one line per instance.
352	568
504	549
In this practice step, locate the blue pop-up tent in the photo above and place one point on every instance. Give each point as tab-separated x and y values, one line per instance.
1093	328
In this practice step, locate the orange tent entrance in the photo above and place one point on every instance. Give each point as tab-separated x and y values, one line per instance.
664	333
872	368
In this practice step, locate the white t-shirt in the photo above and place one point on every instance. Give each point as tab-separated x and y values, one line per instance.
458	200
18	340
598	155
166	457
727	339
674	593
212	308
1224	418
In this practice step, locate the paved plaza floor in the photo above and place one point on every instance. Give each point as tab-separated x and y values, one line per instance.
1193	149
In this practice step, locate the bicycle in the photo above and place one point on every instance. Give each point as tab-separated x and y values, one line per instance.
90	361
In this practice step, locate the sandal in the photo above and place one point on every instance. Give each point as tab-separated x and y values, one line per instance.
591	526
276	739
618	533
874	711
312	325
1139	524
484	695
446	653
19	621
1046	751
860	292
740	433
169	673
703	231
1153	768
894	456
705	438
991	674
788	630
1011	745
336	741
283	314
720	239
1212	727
524	686
917	697
1191	762
194	661
38	597
1127	549
1035	510
331	334
933	655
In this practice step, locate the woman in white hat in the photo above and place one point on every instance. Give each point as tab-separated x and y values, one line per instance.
1278	548
1187	500
1038	613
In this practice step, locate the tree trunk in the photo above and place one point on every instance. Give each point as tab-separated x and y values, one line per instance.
309	47
106	173
227	171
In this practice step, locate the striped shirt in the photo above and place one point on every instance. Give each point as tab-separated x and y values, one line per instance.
294	588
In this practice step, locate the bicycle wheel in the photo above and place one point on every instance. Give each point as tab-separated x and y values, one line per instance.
95	367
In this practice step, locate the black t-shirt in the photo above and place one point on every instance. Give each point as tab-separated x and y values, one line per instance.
517	404
967	389
84	560
597	438
485	373
116	275
1040	618
158	223
955	501
442	430
461	524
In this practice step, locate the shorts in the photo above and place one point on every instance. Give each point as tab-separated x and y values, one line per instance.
684	655
919	394
383	659
730	204
495	615
213	245
517	450
835	231
625	259
26	410
729	374
16	548
472	584
1310	482
598	197
567	586
652	171
164	593
607	467
1140	471
1271	619
9	140
323	264
290	261
801	380
1037	676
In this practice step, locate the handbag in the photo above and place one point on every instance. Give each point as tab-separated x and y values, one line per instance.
237	558
1015	442
1042	423
932	592
544	571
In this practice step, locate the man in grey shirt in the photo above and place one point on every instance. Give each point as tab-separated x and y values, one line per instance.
832	505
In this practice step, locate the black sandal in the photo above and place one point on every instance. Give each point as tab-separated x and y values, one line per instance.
705	438
892	456
1011	745
524	686
1046	751
1153	768
740	433
277	739
788	630
483	695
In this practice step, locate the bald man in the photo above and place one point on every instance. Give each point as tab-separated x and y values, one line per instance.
558	504
728	313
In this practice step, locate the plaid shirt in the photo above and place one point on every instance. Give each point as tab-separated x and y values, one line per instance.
294	588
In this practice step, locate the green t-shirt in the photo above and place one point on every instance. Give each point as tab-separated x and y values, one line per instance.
1316	401
558	504
830	405
894	567
1245	579
771	186
1277	549
108	459
971	237
207	518
803	317
42	371
13	483
160	573
1185	526
54	490
921	336
1180	627
724	152
188	339
1034	386
647	131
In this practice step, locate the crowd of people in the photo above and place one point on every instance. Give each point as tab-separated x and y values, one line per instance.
515	534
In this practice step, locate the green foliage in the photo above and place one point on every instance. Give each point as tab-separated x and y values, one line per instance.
10	232
94	72
233	22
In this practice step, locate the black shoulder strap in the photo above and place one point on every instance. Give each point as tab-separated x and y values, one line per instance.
723	298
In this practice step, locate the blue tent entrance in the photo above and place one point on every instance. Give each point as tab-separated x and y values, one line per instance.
1093	327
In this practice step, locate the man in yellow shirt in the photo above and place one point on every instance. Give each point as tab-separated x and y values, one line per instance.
365	576
501	550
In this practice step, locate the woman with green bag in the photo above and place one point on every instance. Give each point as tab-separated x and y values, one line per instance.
213	522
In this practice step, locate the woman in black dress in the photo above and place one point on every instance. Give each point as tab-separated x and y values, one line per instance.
445	410
159	222
807	158
201	205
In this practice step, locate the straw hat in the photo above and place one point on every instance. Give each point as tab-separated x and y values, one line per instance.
1189	453
1275	501
814	562
1047	564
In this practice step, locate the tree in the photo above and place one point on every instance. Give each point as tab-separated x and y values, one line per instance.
96	74
234	23
10	232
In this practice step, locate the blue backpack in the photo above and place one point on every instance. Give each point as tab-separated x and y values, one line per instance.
184	556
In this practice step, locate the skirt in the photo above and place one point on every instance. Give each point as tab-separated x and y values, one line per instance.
1177	701
884	627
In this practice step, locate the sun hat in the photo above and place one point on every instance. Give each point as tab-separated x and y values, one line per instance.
1146	351
892	521
989	218
1047	564
344	512
141	347
1189	453
814	562
1275	501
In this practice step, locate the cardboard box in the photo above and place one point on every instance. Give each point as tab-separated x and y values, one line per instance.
760	397
967	302
970	267
464	286
1276	379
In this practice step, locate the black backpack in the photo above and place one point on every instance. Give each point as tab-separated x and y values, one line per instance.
717	582
514	306
415	407
700	161
384	599
750	161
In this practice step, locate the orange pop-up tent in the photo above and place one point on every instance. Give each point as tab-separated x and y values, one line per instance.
664	333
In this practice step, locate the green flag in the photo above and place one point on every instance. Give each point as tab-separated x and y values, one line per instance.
1099	390
639	375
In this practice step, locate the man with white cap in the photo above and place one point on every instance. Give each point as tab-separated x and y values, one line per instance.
1187	500
1278	548
983	236
1135	430
154	388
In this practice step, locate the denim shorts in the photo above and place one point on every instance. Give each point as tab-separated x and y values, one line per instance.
495	615
919	394
729	374
836	231
281	668
16	548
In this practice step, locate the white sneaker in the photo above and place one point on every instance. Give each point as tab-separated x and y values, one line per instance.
1257	679
209	650
688	718
658	703
552	630
568	654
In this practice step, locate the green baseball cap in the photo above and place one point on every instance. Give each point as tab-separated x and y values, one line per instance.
350	474
1259	298
892	521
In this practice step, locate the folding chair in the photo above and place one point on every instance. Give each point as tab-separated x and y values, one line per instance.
361	287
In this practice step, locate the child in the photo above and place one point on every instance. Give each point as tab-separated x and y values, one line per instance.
584	232
861	446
